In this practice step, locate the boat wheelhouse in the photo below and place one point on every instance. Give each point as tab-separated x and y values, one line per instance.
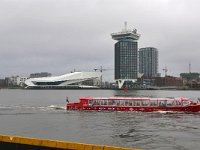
146	104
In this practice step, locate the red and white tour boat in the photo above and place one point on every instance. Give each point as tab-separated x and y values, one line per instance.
145	104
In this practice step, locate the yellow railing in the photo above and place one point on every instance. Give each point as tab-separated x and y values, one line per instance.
57	144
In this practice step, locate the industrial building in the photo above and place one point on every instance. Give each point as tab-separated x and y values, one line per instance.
191	79
168	81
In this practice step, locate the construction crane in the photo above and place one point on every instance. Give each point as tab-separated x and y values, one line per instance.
101	70
165	70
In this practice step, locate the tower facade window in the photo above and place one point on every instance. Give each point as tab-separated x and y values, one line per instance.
126	59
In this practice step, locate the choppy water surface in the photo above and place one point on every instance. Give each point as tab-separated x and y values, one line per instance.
42	114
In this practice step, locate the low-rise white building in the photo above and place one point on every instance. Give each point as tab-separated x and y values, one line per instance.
16	80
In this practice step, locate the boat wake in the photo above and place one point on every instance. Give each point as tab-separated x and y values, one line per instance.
168	112
57	107
20	109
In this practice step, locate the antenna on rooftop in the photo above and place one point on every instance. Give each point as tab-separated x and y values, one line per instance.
125	26
189	67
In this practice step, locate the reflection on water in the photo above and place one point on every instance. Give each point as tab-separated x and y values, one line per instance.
42	114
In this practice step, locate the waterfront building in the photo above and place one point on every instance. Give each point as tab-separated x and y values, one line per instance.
2	83
168	81
191	79
126	56
190	76
148	62
41	74
15	81
70	80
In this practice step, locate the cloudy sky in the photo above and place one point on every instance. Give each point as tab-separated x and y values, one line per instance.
58	36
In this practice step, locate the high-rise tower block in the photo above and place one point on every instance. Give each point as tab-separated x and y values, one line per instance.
126	56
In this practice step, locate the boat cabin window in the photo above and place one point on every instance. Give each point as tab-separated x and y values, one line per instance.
96	102
122	103
90	102
127	103
137	103
130	103
162	103
177	102
185	103
169	102
105	102
99	102
145	103
111	102
102	102
117	102
153	103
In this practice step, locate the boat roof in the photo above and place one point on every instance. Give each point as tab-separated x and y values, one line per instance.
135	98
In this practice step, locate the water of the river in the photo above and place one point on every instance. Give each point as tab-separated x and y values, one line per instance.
42	114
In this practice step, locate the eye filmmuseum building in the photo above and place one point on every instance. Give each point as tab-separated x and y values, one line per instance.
126	57
70	80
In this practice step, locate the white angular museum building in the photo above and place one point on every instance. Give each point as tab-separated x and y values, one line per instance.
70	80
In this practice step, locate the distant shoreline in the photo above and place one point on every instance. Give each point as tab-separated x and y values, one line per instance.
158	88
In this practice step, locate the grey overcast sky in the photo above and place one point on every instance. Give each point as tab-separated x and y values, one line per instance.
58	36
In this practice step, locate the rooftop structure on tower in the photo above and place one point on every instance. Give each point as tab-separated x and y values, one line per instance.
126	34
